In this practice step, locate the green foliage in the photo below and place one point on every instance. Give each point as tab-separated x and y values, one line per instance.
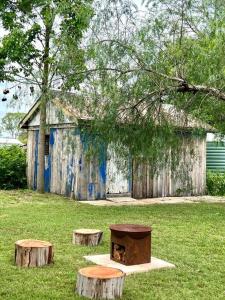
12	167
41	46
41	42
22	137
10	124
142	62
216	183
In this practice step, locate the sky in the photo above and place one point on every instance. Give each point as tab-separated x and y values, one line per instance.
139	2
20	105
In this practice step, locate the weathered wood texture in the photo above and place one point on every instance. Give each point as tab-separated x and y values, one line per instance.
55	115
87	237
68	170
188	177
118	173
100	283
30	158
33	253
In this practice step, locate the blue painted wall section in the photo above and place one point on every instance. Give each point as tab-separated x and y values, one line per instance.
82	177
52	138
47	172
91	190
92	169
102	163
35	159
48	162
70	177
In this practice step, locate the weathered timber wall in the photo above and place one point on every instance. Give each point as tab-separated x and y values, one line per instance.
30	158
55	116
118	173
187	177
68	170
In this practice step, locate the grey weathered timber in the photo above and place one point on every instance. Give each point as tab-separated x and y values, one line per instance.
33	253
187	178
87	237
69	171
99	282
30	158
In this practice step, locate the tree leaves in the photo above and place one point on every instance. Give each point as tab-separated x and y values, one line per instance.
10	124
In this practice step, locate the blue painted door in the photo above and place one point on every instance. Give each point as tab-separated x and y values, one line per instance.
47	172
36	134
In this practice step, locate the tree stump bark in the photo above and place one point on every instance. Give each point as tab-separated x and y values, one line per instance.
99	282
87	237
33	253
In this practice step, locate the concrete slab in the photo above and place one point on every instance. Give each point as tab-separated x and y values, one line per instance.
121	199
104	260
97	202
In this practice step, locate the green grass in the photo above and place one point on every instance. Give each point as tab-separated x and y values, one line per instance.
191	236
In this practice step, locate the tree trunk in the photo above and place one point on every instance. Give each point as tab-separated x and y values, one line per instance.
41	148
99	282
87	237
44	101
33	253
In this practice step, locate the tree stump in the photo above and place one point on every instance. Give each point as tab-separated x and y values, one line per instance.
33	253
87	237
99	282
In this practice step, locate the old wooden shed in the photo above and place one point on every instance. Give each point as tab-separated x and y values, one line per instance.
69	172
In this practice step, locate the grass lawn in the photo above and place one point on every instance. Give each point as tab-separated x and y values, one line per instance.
192	236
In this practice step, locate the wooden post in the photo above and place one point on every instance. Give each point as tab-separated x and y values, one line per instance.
99	282
33	253
87	237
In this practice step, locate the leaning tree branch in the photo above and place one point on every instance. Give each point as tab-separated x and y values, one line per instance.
182	84
191	88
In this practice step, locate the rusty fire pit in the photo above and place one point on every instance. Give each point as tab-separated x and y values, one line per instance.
130	244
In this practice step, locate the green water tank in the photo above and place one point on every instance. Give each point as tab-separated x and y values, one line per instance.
215	156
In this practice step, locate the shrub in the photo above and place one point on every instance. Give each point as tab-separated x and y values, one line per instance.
12	167
216	183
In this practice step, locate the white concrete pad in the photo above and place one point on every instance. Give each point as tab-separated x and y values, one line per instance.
121	199
97	202
128	201
104	260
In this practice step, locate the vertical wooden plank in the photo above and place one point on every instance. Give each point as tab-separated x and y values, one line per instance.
30	158
144	181
77	168
137	180
54	149
134	179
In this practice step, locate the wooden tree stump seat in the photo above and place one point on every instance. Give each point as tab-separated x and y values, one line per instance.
98	282
87	237
33	253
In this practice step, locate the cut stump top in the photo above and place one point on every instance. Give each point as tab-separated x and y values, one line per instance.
87	231
33	244
101	272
